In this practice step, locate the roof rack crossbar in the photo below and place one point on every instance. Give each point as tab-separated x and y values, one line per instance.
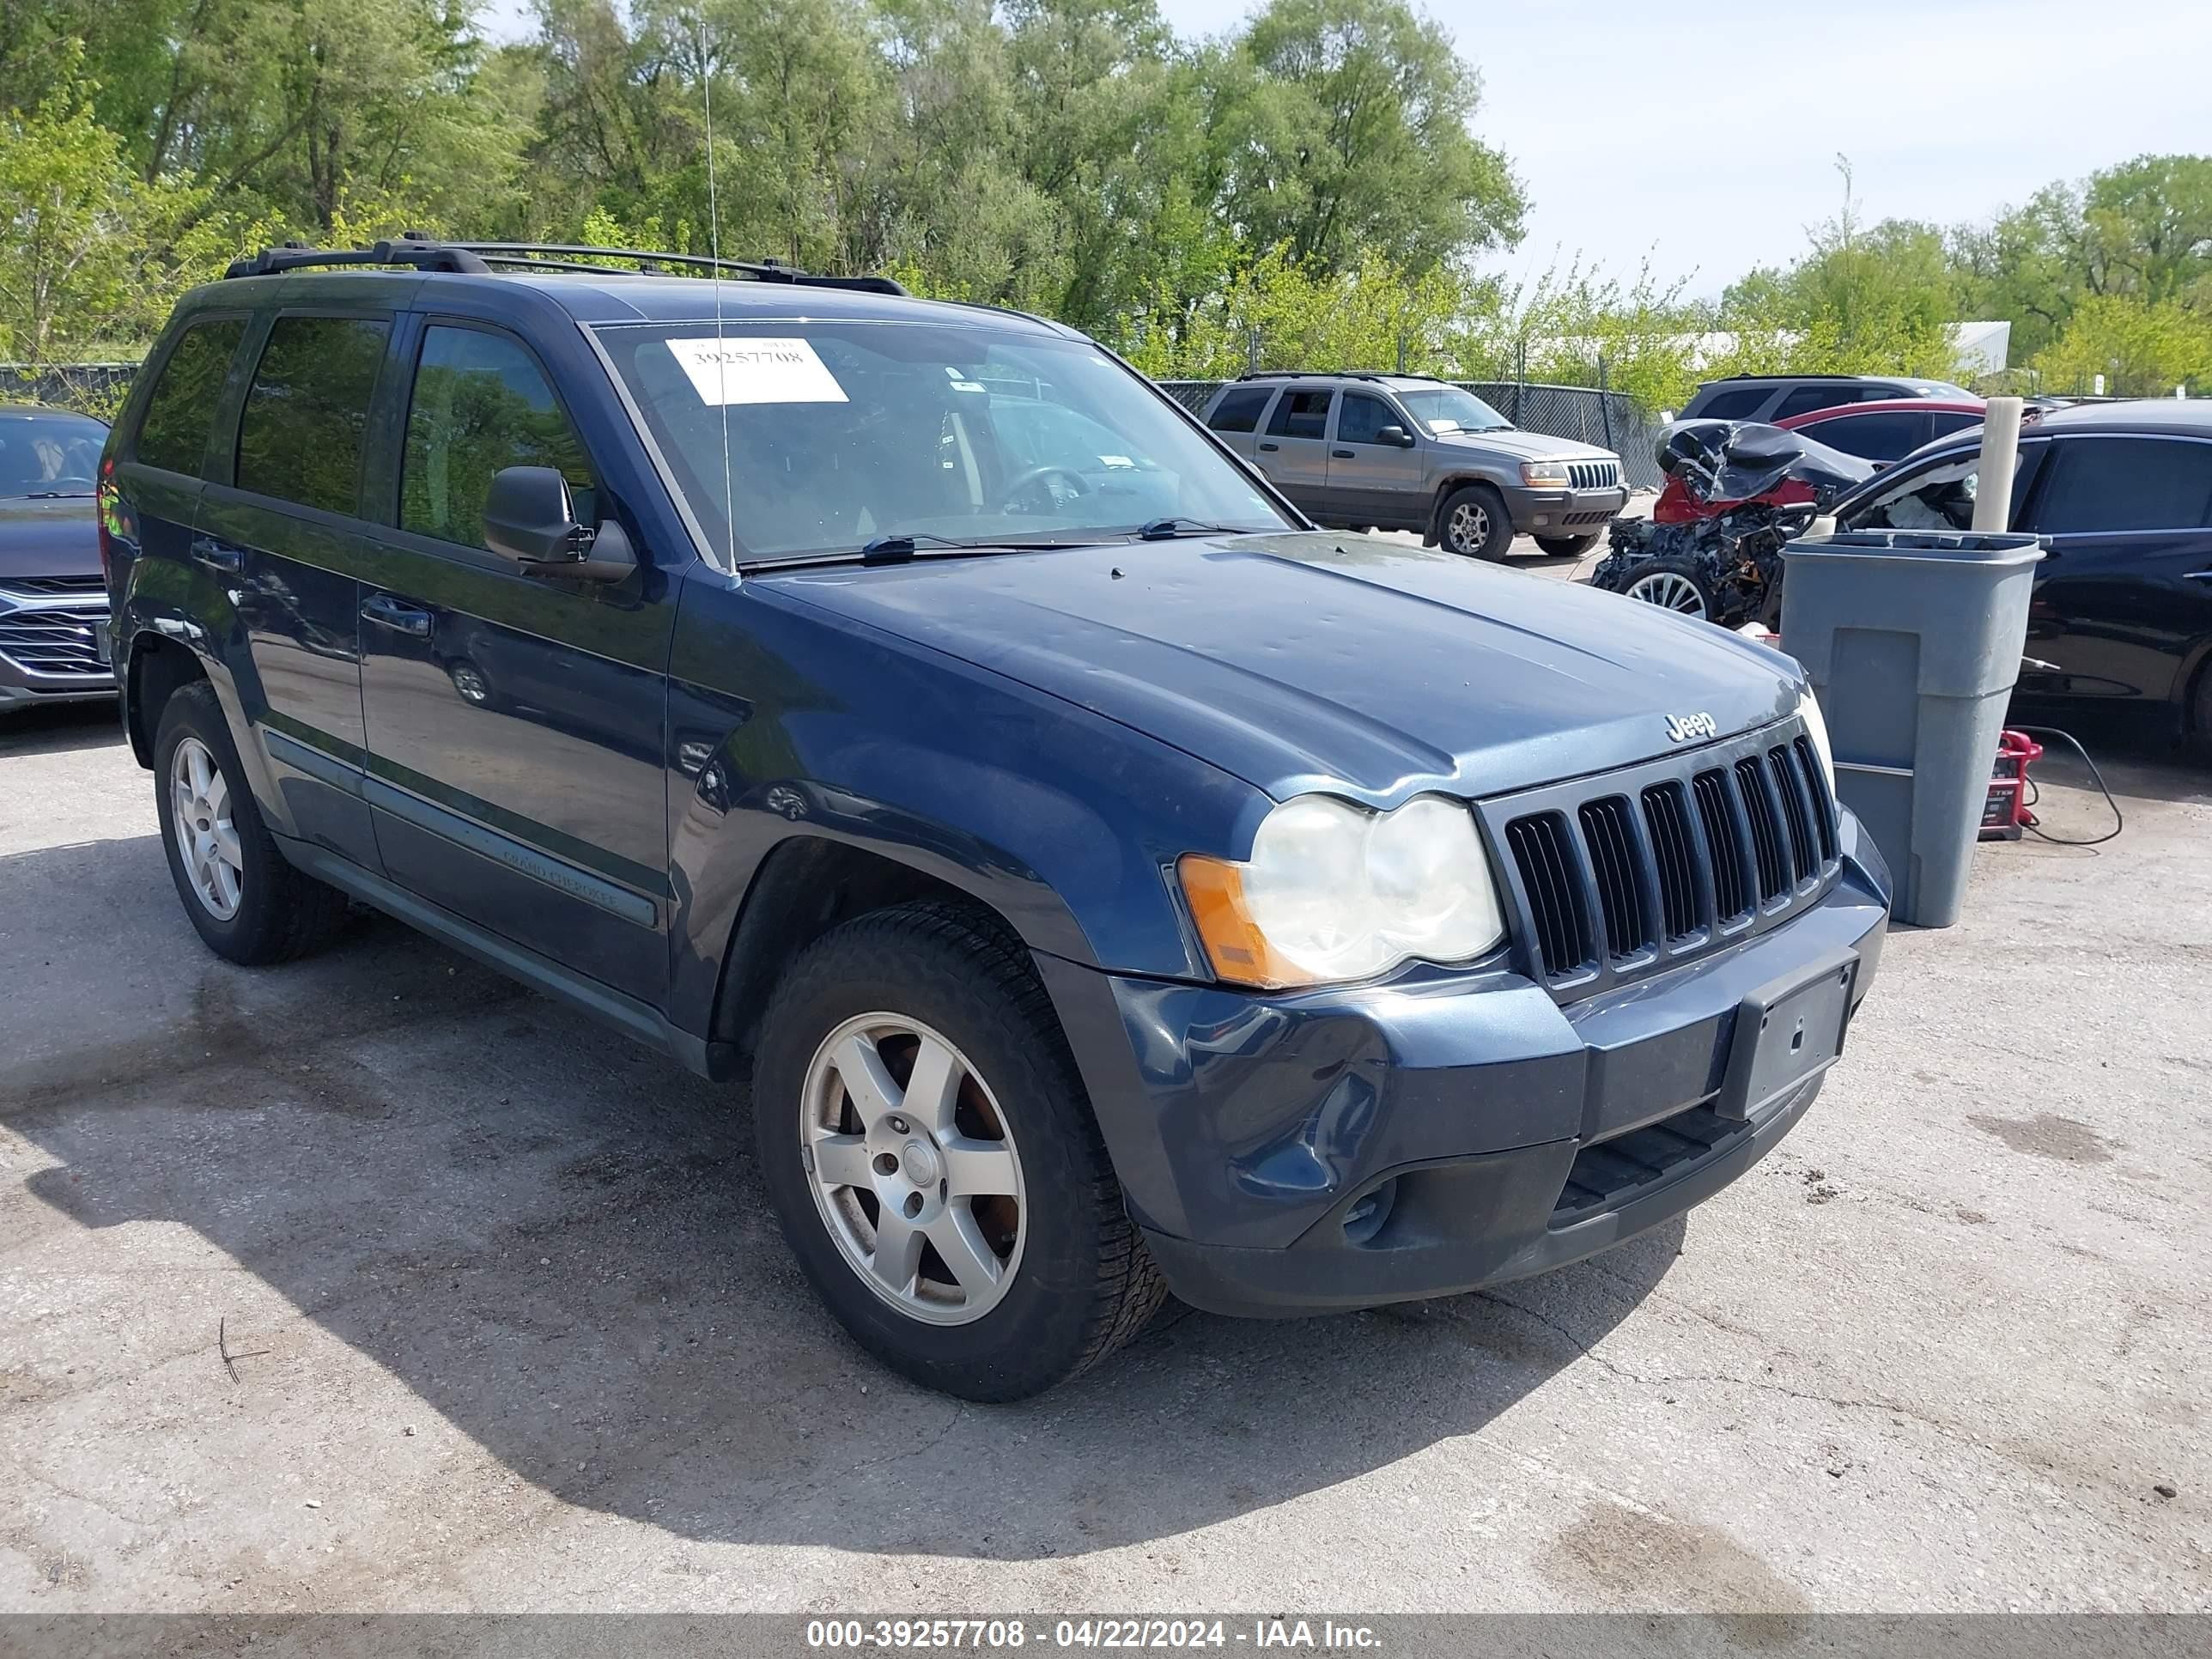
422	252
1339	374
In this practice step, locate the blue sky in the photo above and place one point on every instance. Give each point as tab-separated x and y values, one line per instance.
1659	129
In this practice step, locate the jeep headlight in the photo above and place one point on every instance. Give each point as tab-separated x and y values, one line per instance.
1544	475
1816	729
1333	891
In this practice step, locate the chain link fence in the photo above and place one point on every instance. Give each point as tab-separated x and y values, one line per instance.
93	388
1609	419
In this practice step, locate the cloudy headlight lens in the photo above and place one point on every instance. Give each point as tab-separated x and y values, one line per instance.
1333	891
1550	475
1816	728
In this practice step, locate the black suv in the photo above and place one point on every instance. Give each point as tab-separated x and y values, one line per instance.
1111	883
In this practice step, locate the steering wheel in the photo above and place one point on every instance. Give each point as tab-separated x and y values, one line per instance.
1011	499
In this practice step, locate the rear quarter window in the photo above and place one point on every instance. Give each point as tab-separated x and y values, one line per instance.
179	414
1736	404
1239	411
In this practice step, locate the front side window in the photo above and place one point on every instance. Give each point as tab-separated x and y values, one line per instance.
46	452
480	403
1940	497
1239	411
1736	403
1449	409
306	413
1300	415
180	410
840	432
2118	485
1361	418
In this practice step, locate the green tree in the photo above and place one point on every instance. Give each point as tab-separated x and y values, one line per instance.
2143	347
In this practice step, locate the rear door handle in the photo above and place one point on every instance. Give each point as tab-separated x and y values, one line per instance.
1271	446
1342	455
219	555
388	612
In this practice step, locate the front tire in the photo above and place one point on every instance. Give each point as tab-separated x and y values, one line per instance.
1564	547
245	900
929	1149
1473	521
1676	585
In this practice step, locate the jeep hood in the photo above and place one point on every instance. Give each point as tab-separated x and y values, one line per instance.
48	537
1525	445
1311	660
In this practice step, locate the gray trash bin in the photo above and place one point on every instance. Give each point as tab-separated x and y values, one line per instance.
1912	641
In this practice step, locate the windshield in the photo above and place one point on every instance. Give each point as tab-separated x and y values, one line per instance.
842	433
48	452
1448	409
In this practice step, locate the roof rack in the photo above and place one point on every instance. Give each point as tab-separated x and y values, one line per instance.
422	252
1336	374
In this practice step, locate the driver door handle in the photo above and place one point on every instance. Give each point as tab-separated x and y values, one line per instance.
1271	446
1342	455
219	555
395	614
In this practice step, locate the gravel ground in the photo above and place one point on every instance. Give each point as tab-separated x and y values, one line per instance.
509	1328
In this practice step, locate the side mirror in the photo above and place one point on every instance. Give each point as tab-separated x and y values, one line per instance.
1395	435
529	518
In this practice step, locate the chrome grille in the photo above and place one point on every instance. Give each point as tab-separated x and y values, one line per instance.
1622	874
45	585
42	635
1594	475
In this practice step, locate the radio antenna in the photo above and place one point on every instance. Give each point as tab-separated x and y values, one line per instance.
714	250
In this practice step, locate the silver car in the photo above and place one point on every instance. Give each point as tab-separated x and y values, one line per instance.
1405	451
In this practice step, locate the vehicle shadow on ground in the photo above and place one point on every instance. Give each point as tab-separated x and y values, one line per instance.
558	1241
60	728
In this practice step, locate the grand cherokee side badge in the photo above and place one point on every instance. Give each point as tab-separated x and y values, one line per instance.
1681	728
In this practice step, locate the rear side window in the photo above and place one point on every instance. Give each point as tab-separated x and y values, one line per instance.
1300	415
1946	424
1880	437
2127	484
1735	403
180	410
480	403
1239	411
300	437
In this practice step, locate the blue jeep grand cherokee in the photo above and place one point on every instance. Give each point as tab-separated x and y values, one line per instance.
1111	884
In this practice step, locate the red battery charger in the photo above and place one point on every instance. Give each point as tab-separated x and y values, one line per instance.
2005	813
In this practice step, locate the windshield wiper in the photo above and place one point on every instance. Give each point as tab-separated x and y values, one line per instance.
1162	529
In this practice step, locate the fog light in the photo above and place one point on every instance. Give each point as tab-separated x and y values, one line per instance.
1369	1211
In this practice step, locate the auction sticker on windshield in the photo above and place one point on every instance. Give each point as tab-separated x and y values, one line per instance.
753	370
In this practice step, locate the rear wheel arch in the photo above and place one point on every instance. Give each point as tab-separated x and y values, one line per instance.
157	669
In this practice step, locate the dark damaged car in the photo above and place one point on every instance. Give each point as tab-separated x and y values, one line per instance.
1111	884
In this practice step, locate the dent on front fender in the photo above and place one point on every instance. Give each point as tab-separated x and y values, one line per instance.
785	722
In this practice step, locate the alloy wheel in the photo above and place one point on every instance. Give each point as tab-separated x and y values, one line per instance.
913	1168
1675	592
200	823
1470	526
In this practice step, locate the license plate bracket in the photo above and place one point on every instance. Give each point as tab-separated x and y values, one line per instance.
1787	1032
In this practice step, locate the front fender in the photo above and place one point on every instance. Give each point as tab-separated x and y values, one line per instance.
786	722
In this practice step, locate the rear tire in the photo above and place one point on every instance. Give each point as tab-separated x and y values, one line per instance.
2199	734
1563	547
247	902
1032	1287
1473	521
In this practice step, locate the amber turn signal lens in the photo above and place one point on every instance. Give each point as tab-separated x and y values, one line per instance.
1234	944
